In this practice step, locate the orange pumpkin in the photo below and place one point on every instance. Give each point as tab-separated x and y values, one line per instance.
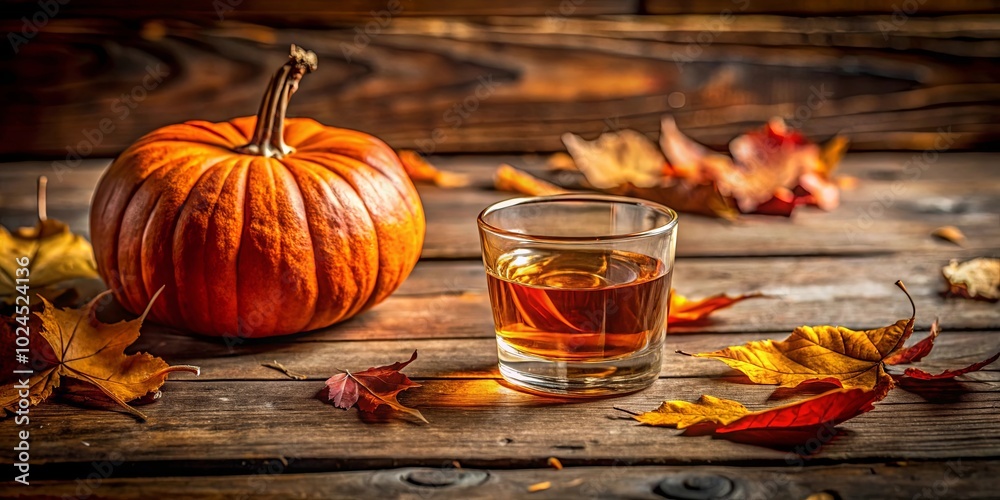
258	226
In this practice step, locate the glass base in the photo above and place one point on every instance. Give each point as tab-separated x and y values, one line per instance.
607	377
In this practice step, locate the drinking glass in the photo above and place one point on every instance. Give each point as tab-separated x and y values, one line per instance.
580	288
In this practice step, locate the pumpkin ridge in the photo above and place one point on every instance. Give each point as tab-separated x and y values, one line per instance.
198	124
312	241
175	233
380	274
240	167
169	302
240	334
114	259
317	170
387	281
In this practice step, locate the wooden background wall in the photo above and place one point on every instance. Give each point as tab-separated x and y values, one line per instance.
454	76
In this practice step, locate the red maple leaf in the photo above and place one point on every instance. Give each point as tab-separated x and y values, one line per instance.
372	388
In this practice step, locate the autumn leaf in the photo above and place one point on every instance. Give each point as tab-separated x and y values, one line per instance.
789	424
617	158
420	170
57	259
851	358
508	178
948	374
974	279
75	345
917	351
683	196
772	169
950	234
684	310
371	388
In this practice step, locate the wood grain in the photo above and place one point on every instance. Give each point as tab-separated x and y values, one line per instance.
510	83
216	426
896	206
319	359
957	478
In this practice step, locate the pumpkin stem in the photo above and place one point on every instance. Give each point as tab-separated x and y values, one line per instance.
268	136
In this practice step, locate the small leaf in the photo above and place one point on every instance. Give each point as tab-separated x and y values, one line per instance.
789	424
508	178
421	170
949	374
372	388
87	350
951	234
684	310
275	365
852	358
542	486
917	351
682	414
974	279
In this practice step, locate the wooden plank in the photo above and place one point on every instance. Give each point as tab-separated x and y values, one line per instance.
215	427
894	209
827	7
437	359
316	13
954	479
548	75
449	300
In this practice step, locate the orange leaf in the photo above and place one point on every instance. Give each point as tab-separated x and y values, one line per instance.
788	424
947	374
87	350
917	351
684	310
372	388
420	170
852	358
508	178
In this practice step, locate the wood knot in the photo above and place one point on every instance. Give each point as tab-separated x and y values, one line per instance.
409	479
697	487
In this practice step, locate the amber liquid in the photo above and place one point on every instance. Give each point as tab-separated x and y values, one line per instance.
577	306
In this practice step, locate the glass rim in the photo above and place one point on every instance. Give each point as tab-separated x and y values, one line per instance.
593	197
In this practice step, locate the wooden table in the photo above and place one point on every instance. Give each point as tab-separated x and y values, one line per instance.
241	429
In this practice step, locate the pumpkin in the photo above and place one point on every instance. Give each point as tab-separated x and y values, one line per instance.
258	226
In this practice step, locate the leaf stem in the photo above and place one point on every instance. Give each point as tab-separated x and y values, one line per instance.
42	205
902	287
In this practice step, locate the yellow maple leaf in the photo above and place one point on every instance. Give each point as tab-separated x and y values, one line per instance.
80	347
55	256
854	359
